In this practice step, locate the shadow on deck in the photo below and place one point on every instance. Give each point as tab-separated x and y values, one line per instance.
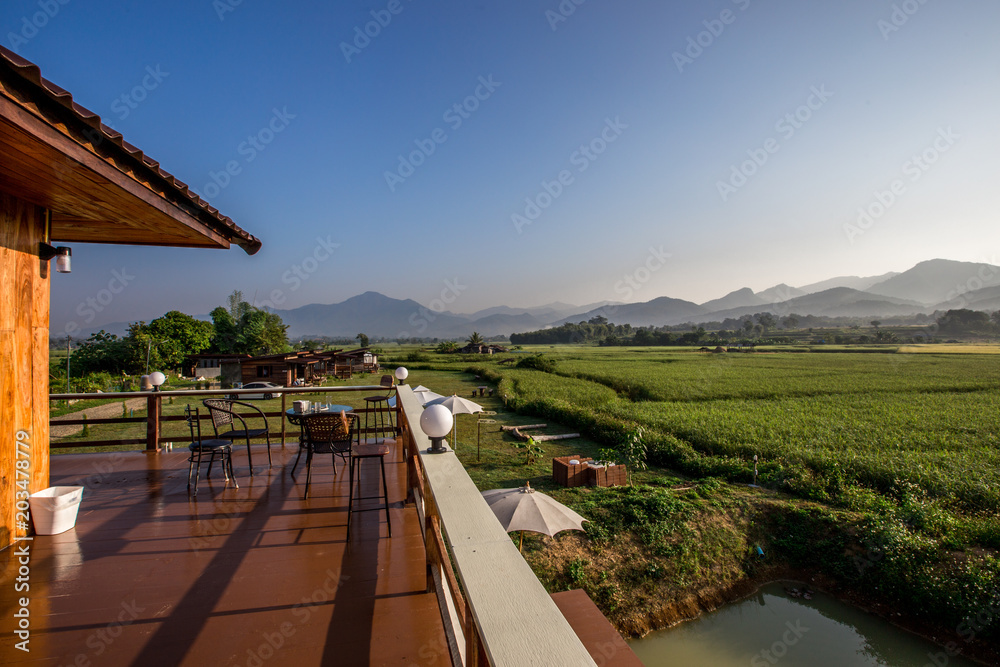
248	576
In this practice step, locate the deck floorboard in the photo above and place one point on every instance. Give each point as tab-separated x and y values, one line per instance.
247	576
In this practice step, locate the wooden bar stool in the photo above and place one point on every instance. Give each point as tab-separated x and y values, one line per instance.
359	454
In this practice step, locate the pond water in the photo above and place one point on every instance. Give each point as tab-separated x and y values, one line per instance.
773	628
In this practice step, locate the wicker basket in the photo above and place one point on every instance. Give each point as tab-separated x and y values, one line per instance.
610	476
570	475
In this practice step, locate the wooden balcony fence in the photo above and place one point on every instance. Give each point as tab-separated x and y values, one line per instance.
494	609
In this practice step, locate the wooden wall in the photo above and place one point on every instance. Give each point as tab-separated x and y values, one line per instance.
24	357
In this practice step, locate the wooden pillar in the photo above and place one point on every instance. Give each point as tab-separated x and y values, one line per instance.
152	423
24	361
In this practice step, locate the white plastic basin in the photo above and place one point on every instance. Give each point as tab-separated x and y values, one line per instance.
54	510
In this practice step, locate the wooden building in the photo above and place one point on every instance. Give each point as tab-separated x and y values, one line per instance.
306	367
67	178
209	365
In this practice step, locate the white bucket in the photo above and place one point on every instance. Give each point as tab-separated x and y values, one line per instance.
53	510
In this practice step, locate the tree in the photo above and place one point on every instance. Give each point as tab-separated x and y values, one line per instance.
876	323
243	329
964	320
224	338
475	339
766	321
362	340
791	321
176	336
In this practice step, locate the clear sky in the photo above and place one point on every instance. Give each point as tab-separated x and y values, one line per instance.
691	147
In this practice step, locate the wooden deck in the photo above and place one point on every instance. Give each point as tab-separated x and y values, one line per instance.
246	576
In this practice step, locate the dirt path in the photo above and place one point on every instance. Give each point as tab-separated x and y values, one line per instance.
107	411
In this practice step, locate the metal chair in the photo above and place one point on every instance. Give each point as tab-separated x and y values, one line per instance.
200	447
223	414
378	407
325	433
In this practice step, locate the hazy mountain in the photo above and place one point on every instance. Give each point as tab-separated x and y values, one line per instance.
844	301
779	293
737	299
854	282
937	284
499	324
836	302
547	314
658	312
370	313
987	298
938	280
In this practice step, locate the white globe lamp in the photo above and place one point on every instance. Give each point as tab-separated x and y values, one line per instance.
156	379
436	422
401	374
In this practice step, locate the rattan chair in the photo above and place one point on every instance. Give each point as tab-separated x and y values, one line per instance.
200	448
224	416
325	433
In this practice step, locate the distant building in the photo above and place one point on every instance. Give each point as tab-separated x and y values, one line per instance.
209	365
481	349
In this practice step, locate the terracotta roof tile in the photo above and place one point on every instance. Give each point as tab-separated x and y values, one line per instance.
45	91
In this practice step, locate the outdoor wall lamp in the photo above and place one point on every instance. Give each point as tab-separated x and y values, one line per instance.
62	254
156	379
436	421
401	374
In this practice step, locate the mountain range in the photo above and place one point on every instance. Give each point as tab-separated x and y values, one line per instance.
933	285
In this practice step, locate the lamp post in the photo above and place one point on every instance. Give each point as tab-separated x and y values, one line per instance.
436	421
401	374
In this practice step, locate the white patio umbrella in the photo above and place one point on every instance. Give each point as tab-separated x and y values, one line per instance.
458	406
425	395
526	509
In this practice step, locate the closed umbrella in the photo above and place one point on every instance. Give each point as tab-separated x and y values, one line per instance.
458	406
526	509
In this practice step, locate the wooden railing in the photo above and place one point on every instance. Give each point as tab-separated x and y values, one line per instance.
154	418
494	609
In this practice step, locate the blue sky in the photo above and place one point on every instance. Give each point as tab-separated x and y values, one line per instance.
621	150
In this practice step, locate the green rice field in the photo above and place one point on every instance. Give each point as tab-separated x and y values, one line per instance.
819	423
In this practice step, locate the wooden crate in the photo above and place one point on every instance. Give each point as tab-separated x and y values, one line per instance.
612	476
569	475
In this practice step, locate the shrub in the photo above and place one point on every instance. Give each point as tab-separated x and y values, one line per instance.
538	362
